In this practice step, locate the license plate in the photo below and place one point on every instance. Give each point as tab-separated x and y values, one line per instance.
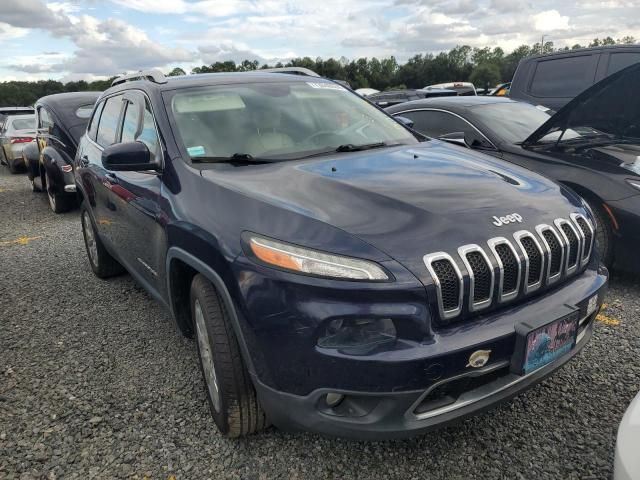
550	342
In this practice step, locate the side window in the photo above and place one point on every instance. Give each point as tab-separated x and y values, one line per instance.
618	61
138	125
45	122
131	124
563	77
435	123
93	124
108	125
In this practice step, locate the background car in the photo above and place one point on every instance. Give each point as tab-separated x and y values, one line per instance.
501	90
61	119
18	131
365	92
394	97
462	88
627	460
554	79
592	145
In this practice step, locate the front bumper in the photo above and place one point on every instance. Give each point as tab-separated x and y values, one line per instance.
376	416
388	393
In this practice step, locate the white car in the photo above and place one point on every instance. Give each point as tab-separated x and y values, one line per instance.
364	92
627	463
463	88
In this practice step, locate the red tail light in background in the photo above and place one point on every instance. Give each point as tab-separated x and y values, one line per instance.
21	139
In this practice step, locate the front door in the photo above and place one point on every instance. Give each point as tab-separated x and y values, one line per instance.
132	198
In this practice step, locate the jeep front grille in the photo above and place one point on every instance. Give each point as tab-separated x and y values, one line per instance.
509	268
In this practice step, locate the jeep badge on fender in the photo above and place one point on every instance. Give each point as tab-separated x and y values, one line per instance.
514	217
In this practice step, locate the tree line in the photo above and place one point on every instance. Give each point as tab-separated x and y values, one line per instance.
485	67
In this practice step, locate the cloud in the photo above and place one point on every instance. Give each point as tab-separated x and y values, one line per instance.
227	51
550	20
104	47
361	42
34	14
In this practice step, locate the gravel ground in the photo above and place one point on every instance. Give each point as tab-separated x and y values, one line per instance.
95	383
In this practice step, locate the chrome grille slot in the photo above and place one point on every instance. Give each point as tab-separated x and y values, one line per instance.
588	234
448	280
509	267
554	250
572	244
481	277
532	258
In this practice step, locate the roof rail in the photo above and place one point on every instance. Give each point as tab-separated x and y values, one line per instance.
155	76
292	70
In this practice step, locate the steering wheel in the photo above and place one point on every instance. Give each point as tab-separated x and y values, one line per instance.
314	136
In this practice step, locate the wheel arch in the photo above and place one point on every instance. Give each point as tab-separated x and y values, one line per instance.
594	200
181	267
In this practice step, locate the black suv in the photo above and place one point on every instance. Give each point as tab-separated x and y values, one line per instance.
553	80
340	275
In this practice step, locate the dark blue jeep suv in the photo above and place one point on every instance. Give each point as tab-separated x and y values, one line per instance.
340	275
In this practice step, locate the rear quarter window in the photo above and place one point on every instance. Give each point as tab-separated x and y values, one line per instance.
563	77
93	123
108	126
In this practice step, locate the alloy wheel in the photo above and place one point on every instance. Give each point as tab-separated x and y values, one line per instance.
206	356
90	238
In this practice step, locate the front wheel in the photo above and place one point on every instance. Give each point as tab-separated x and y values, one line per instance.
232	398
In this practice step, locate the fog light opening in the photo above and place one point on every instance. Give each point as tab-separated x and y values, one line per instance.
357	336
333	399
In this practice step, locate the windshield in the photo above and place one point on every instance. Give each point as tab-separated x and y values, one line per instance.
513	122
279	120
27	123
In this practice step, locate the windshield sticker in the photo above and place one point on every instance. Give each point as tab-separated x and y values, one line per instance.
327	86
196	151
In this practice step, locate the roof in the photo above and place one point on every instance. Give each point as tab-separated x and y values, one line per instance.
634	46
69	100
459	103
225	78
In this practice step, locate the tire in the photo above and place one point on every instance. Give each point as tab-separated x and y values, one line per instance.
232	398
34	187
101	261
604	235
59	202
12	166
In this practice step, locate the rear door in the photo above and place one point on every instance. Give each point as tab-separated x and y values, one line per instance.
95	179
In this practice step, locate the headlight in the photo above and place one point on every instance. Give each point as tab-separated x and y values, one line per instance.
313	262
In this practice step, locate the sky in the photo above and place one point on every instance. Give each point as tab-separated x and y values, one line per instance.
89	39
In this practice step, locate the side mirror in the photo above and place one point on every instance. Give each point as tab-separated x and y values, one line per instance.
127	157
407	122
456	138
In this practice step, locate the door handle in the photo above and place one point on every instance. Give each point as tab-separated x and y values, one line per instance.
111	177
84	160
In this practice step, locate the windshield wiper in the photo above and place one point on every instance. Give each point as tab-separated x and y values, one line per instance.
350	147
235	158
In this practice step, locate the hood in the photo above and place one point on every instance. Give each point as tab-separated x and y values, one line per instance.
407	201
611	106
